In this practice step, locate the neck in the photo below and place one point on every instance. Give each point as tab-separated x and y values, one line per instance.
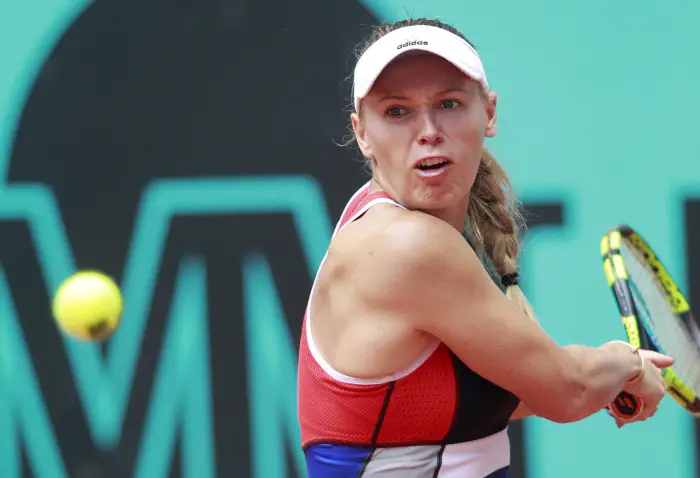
454	216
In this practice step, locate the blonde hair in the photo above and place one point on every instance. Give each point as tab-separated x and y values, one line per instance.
493	225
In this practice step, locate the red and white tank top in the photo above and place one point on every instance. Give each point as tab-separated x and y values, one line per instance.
435	419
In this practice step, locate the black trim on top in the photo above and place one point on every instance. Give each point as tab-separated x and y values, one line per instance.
439	461
377	428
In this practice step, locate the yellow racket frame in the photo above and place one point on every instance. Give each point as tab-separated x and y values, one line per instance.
616	274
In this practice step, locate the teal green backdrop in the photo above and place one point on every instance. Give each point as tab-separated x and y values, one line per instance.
598	106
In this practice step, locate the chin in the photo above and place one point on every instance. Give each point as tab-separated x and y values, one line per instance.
439	199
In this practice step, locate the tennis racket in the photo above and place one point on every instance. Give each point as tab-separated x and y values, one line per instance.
656	317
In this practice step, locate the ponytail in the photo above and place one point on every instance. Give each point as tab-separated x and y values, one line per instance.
492	228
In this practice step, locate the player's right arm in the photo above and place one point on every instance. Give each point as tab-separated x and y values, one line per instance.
423	272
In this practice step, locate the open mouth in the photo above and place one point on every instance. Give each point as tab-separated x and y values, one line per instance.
433	164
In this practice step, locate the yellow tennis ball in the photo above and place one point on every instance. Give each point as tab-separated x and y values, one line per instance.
88	305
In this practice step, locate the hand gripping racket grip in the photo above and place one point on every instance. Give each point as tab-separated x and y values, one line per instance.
625	406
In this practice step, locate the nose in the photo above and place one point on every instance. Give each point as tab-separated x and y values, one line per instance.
430	133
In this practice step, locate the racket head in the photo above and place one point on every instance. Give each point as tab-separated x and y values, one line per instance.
637	277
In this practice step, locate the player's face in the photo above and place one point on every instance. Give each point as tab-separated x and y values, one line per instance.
423	125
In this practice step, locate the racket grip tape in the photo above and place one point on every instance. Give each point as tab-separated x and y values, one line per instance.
625	406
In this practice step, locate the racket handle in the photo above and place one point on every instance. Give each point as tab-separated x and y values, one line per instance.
625	406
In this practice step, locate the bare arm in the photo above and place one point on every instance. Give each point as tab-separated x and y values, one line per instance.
523	411
423	272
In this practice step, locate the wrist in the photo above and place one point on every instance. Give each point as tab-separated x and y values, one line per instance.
638	370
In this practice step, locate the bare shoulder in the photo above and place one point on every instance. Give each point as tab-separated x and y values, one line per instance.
401	239
406	259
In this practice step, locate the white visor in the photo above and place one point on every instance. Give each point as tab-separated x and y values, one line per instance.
425	38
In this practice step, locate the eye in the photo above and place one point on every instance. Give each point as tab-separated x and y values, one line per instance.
395	111
450	104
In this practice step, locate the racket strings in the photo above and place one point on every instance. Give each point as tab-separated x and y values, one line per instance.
667	333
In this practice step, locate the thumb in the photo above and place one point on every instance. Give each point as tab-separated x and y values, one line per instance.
660	360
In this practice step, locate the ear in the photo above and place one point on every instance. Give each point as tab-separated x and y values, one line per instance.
491	116
361	135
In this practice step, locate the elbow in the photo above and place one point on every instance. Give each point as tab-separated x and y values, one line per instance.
575	398
566	415
568	403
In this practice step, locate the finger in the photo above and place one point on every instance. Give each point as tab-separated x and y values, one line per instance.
659	360
646	413
653	407
649	405
654	410
621	421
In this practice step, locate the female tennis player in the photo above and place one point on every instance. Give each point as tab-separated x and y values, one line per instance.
413	359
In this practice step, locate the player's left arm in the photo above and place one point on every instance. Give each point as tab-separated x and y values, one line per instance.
523	411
